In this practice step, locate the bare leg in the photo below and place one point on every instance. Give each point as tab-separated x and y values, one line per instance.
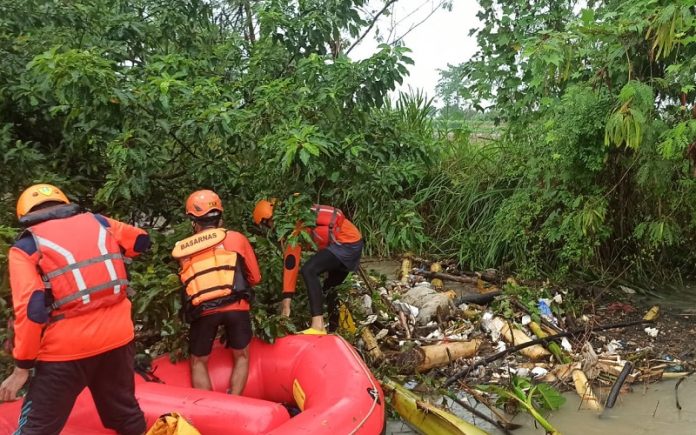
199	373
318	323
240	371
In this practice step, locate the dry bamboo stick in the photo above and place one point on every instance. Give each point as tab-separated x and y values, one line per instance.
440	355
436	282
588	399
514	336
553	347
371	345
466	370
423	358
405	269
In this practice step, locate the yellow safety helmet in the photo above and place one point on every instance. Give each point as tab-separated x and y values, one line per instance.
38	194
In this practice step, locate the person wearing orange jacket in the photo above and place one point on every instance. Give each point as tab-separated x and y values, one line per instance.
218	270
72	317
339	248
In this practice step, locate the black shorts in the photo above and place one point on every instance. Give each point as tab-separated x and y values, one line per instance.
55	386
204	329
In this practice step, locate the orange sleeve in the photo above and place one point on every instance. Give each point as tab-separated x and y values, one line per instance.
291	267
238	243
133	240
28	301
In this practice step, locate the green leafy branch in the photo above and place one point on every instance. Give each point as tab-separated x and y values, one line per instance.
530	397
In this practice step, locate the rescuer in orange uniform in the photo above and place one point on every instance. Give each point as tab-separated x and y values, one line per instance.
339	247
218	270
73	320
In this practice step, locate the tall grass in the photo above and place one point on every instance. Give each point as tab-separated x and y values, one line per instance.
460	200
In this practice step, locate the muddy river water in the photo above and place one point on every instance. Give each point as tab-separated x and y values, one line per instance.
648	409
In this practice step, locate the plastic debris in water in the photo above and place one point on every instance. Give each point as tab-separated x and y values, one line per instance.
501	346
539	372
652	332
565	344
613	346
544	308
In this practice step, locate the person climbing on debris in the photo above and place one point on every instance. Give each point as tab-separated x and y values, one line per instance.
339	247
218	271
73	320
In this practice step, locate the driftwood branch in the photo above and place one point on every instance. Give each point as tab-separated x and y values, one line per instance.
478	298
366	279
616	388
464	372
448	276
676	391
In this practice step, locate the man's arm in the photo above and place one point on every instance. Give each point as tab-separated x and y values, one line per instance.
240	244
134	241
29	303
291	268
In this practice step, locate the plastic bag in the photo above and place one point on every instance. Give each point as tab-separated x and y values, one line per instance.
172	423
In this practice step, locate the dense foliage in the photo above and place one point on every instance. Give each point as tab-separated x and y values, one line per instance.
582	163
130	105
594	173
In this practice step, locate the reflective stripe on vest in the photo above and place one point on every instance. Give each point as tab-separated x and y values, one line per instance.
75	266
82	264
79	270
69	258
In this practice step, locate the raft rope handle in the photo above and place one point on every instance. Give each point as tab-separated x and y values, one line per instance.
375	399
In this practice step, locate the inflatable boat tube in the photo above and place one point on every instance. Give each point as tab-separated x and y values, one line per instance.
323	376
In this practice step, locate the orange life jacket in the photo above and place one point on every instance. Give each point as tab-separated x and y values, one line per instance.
327	225
81	273
210	273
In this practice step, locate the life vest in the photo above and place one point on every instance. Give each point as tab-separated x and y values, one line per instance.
209	272
327	225
81	264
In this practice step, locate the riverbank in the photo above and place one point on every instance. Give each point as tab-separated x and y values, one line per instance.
658	349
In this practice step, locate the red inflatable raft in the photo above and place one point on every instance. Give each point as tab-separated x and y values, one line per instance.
321	375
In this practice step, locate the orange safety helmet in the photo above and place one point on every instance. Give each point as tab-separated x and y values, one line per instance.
38	194
262	211
202	202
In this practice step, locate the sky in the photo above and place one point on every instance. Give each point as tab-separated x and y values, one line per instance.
442	39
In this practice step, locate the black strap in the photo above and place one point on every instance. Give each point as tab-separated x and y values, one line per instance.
192	313
203	272
190	299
